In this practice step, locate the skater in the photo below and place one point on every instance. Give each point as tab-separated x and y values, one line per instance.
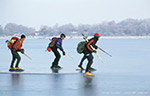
54	45
88	54
15	48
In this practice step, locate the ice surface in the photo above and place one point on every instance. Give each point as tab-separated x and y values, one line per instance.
128	55
126	73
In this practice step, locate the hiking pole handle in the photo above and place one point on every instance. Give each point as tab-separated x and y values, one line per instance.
84	37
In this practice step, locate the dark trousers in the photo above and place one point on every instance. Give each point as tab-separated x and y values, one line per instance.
15	56
89	57
57	56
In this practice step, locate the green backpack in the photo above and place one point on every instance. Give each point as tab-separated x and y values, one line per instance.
81	47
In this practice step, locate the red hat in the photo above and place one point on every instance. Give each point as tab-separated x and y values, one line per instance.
96	35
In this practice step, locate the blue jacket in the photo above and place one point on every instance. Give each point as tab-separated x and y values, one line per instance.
59	43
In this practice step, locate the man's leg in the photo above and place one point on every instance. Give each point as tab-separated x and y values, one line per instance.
12	62
80	65
18	59
57	57
13	59
90	61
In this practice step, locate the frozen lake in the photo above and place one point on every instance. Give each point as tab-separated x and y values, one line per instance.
125	73
128	56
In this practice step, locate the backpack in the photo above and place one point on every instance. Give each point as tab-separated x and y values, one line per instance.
12	42
52	44
81	47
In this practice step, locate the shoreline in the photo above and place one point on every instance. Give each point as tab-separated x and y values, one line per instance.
103	37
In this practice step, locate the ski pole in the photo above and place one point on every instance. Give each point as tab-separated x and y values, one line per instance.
68	55
27	56
104	51
92	48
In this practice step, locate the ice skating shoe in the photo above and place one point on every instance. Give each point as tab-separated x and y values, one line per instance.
88	73
11	69
18	69
81	68
58	67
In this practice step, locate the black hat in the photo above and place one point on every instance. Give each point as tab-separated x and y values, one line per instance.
23	36
62	35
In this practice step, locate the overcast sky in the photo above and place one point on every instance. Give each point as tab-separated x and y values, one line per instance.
34	13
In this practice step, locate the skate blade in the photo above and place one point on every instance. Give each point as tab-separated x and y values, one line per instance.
88	76
18	70
93	70
79	69
56	68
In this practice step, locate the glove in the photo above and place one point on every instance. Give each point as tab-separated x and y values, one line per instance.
94	51
64	53
62	50
22	51
96	47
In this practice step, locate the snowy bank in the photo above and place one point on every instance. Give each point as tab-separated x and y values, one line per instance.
68	37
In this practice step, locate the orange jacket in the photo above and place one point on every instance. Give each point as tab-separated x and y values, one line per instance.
18	45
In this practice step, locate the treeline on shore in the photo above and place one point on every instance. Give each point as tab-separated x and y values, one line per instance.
128	27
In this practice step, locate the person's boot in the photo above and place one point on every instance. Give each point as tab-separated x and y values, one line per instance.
18	69
11	69
81	67
58	67
52	67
